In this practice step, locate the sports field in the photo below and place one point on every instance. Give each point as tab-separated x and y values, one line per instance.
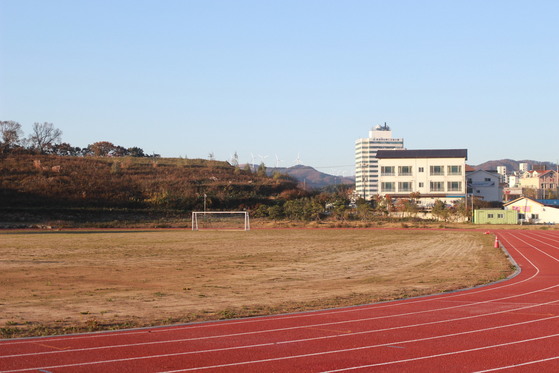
60	282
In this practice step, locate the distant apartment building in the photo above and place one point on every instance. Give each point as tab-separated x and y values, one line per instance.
437	174
366	162
502	171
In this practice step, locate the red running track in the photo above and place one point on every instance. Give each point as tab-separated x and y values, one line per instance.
510	326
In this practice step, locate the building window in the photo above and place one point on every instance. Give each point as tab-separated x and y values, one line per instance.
500	216
489	216
421	185
387	171
404	170
535	216
455	170
421	169
387	187
437	186
454	186
404	186
437	170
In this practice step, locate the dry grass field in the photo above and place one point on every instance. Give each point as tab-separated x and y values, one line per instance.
61	282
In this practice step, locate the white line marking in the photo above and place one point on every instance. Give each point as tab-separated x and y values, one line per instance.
296	356
296	340
518	365
441	355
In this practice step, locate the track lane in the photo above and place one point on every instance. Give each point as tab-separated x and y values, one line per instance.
341	338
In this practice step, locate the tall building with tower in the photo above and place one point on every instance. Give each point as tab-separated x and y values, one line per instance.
366	163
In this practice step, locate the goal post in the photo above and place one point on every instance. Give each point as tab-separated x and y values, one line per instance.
220	220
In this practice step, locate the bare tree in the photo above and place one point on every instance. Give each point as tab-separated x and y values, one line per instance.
44	136
10	133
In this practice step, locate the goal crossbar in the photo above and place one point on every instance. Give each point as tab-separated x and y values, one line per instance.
220	220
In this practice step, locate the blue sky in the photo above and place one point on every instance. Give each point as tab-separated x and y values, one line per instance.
288	78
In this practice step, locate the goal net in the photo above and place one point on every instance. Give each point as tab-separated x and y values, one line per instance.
220	220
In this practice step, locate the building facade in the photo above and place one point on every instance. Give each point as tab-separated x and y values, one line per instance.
486	216
544	184
534	211
429	175
485	185
366	162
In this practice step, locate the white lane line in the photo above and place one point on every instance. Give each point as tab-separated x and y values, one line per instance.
348	321
441	355
543	242
292	356
519	365
375	306
287	341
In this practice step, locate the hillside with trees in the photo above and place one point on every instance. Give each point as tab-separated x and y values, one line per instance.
35	183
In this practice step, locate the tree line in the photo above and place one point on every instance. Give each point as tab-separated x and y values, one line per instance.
338	205
47	139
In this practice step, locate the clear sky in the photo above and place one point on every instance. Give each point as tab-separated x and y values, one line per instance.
297	79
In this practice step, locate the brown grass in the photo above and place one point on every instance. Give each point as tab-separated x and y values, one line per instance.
62	282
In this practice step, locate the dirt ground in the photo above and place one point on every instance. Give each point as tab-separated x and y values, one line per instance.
60	282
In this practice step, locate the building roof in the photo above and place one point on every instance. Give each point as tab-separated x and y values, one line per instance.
490	173
521	199
423	153
549	202
543	202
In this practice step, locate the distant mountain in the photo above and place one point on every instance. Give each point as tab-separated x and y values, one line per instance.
513	165
310	177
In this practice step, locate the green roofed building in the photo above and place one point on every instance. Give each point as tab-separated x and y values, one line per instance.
492	216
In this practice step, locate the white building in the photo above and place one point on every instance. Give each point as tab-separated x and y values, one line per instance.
485	185
366	163
438	174
502	170
523	167
535	211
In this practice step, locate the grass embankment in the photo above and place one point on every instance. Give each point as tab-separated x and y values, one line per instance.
63	282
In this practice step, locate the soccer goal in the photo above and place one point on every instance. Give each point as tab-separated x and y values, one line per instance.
220	220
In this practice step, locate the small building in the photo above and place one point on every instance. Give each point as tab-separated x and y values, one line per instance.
535	211
493	216
485	185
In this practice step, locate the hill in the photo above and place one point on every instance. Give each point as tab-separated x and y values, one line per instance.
513	165
38	182
310	178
